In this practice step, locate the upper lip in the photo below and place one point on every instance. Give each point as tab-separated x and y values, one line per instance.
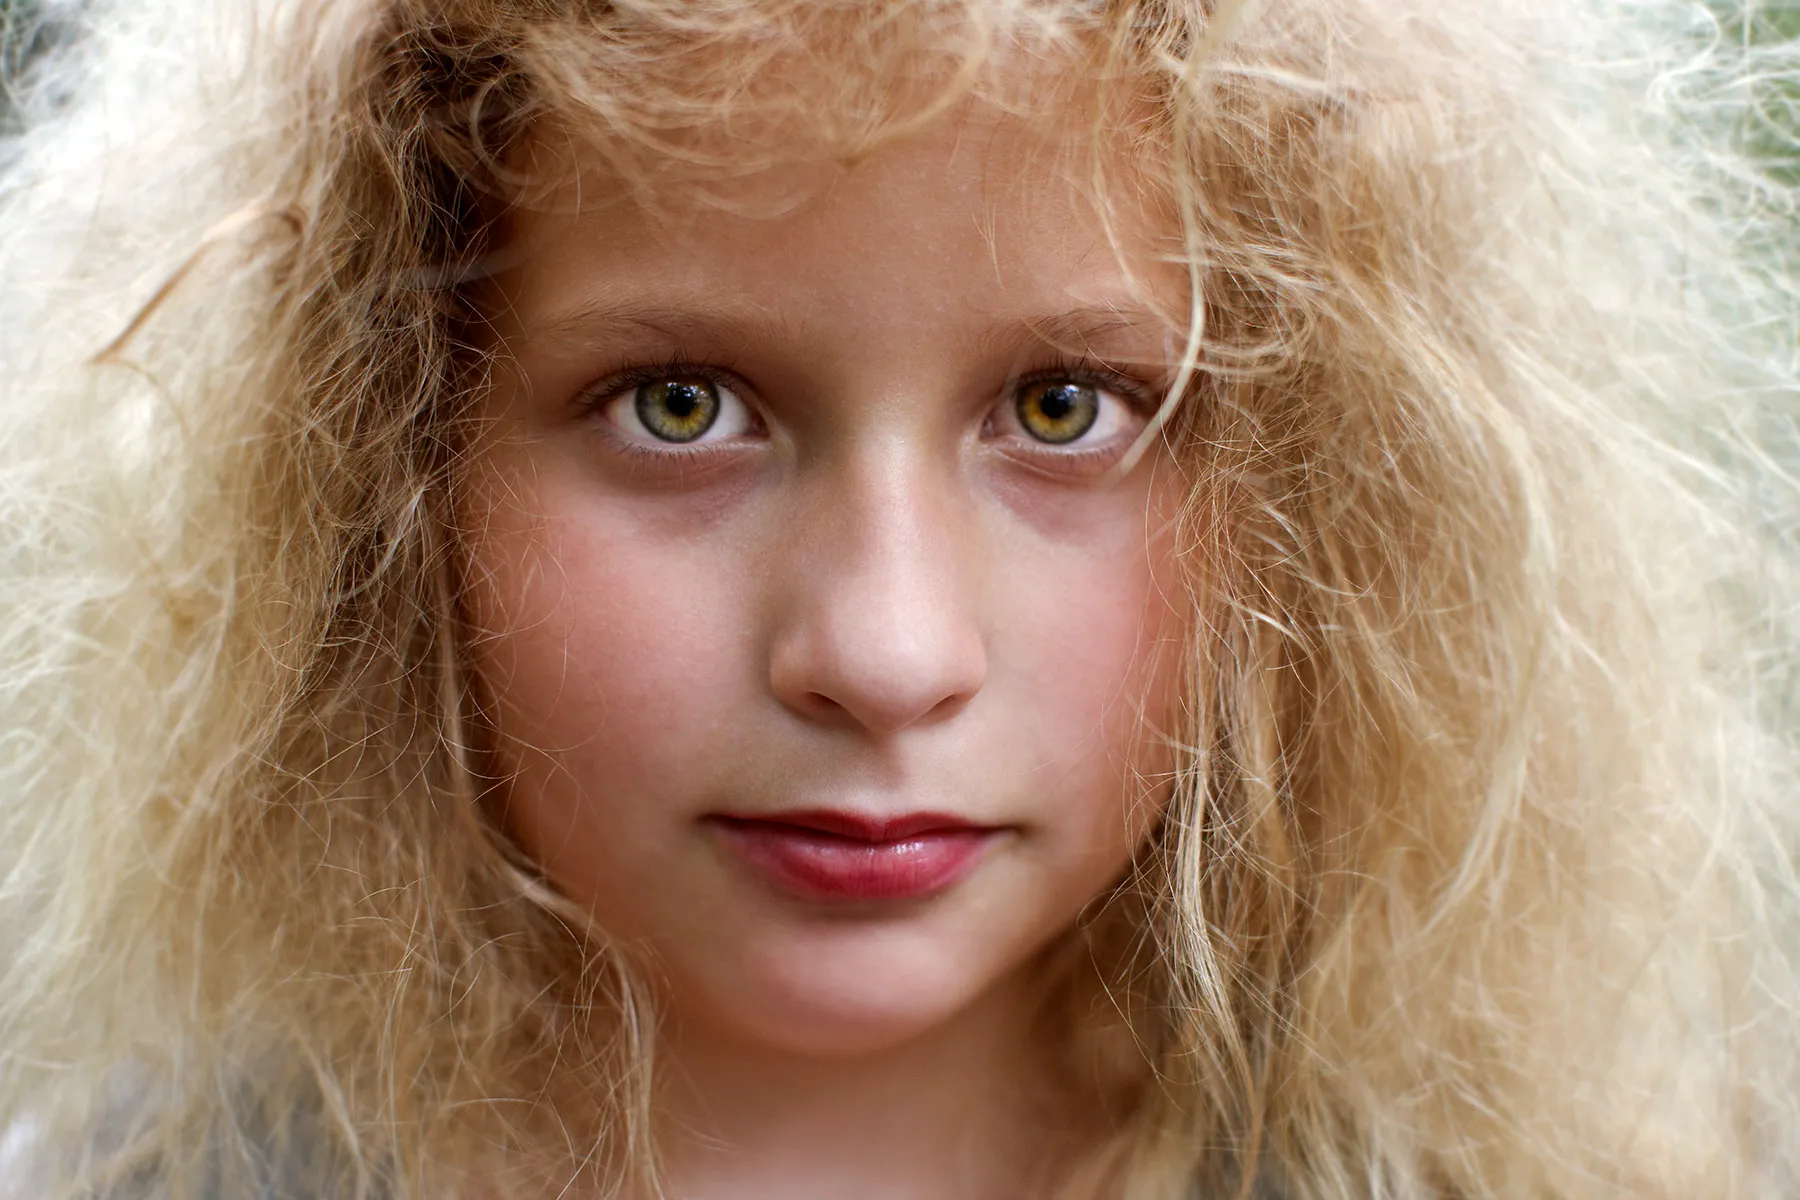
858	826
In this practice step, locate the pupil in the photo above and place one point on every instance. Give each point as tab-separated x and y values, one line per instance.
681	400
1057	402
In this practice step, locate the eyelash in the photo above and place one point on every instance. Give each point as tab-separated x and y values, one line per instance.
593	397
1092	372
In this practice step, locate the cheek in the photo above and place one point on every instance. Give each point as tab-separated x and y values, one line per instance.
608	660
1089	640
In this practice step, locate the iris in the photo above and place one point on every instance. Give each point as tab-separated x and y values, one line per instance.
677	410
1058	410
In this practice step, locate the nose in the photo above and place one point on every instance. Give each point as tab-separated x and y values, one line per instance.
877	628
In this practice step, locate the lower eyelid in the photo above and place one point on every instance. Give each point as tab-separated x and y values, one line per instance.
1051	466
687	466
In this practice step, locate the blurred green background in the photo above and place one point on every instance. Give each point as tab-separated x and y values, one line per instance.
1773	129
24	34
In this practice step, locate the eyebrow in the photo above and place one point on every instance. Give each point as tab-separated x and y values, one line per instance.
1077	329
1070	329
677	322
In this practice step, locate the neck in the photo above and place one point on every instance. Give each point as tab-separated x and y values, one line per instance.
961	1111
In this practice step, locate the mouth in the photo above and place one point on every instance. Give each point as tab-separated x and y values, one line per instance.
831	855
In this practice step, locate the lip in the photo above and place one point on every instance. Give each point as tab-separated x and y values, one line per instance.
837	856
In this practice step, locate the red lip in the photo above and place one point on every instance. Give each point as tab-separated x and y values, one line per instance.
827	854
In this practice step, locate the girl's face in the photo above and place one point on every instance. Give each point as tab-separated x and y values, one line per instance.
819	641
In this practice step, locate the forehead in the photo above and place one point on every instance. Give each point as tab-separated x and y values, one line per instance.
983	215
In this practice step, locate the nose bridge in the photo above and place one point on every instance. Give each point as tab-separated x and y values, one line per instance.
880	628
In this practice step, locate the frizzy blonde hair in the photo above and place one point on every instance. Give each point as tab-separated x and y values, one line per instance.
1476	874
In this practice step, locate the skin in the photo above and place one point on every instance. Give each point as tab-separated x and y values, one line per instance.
874	591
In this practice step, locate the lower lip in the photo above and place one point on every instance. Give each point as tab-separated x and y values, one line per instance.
824	866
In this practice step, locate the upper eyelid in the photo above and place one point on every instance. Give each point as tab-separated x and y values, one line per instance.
591	396
1138	393
1135	391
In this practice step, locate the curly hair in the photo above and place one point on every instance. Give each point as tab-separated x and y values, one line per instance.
1476	878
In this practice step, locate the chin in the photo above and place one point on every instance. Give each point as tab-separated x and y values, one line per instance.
861	992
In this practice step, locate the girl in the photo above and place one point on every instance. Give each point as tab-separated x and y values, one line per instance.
943	598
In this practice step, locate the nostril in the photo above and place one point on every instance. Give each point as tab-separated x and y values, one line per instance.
818	704
949	706
881	685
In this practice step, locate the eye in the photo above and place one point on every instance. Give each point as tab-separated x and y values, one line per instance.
1057	411
678	410
1066	412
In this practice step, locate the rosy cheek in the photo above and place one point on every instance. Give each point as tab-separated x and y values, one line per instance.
1088	677
555	612
602	648
1091	627
566	610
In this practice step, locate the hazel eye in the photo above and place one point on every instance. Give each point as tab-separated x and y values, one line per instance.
1073	419
1057	411
678	410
